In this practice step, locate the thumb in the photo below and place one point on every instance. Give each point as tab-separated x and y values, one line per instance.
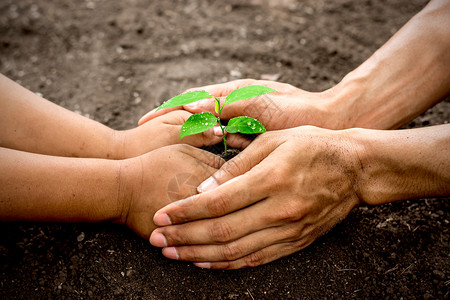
251	156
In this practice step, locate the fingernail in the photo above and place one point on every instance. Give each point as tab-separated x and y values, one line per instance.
162	219
217	131
171	252
203	265
158	240
207	185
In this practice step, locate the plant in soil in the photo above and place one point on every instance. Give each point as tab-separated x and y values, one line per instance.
200	122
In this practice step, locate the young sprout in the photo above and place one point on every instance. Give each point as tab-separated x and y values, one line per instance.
203	121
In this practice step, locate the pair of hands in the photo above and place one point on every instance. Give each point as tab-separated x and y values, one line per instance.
154	144
163	168
165	131
276	197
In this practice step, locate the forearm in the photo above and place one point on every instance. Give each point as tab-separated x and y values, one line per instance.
403	78
33	124
47	188
402	164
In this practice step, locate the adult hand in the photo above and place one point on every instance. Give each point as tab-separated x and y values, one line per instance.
276	197
165	130
289	107
153	180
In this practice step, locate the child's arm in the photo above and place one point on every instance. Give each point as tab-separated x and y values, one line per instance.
33	124
38	187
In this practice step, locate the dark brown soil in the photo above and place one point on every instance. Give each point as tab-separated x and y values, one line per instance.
114	60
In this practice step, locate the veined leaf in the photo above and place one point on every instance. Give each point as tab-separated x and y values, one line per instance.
247	92
185	98
245	125
198	123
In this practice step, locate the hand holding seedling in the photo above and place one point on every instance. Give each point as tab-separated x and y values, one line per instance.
288	187
387	91
148	137
203	121
289	107
145	189
69	168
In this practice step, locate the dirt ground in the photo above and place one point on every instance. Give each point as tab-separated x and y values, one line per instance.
114	60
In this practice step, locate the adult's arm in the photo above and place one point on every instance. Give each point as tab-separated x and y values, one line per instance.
289	187
33	124
398	82
37	187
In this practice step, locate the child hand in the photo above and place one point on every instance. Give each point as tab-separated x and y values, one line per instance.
165	130
155	179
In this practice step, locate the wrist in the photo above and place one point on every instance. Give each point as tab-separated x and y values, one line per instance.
131	143
355	104
374	183
401	164
129	179
118	140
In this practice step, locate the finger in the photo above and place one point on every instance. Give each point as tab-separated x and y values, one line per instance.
223	89
237	141
217	90
225	252
234	194
235	249
254	259
214	136
224	229
203	156
153	114
254	154
220	91
206	138
249	108
208	105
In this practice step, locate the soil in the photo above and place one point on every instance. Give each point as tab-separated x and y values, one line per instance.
114	60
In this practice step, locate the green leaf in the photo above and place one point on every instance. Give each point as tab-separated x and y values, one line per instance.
185	98
216	107
245	125
247	92
198	123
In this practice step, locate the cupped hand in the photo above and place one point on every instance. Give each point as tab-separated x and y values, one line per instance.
276	197
289	107
165	130
155	179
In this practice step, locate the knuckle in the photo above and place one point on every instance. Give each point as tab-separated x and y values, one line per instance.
218	161
289	211
221	232
255	259
175	236
231	251
292	233
188	253
234	167
219	205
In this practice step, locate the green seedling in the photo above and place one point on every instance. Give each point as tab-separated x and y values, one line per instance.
203	121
